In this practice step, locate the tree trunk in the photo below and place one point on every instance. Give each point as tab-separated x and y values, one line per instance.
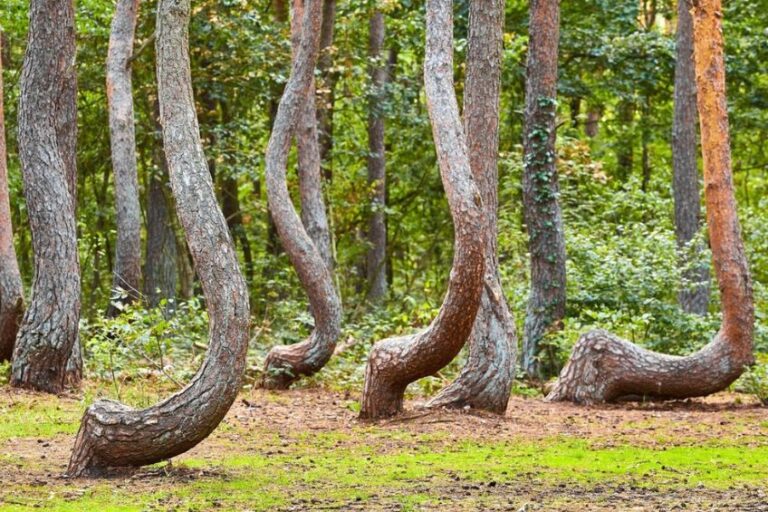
694	291
604	367
111	434
11	290
543	217
485	381
126	282
313	214
625	150
396	362
285	364
48	334
327	94
376	259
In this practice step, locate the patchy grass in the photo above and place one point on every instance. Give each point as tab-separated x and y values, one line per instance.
304	450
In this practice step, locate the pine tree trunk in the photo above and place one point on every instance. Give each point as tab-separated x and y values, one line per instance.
543	217
126	282
327	95
376	258
11	290
485	381
396	362
48	334
604	367
285	364
694	292
112	434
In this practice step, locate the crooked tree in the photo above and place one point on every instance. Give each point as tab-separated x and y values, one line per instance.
486	379
396	362
11	290
541	205
112	434
46	355
285	364
604	367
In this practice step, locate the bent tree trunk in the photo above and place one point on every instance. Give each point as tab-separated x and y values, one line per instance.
485	381
543	217
285	364
604	367
112	434
396	362
694	293
11	290
48	334
126	283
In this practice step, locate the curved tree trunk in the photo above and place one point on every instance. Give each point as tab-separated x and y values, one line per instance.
376	258
485	381
11	290
543	217
285	364
126	282
313	214
396	362
328	91
48	335
604	367
112	434
694	293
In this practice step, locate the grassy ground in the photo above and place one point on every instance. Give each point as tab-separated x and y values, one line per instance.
305	450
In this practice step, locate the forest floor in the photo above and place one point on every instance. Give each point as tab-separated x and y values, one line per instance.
305	450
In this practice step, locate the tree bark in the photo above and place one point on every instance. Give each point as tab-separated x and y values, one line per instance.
604	367
396	362
486	379
327	94
126	282
285	364
376	258
11	289
48	334
543	216
112	434
693	296
313	214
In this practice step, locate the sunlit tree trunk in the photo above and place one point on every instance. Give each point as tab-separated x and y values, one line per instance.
396	362
604	367
48	334
543	216
486	379
112	434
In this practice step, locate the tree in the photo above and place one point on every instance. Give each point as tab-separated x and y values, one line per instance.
396	362
694	293
126	284
543	216
376	259
285	364
112	434
604	367
11	290
48	334
486	379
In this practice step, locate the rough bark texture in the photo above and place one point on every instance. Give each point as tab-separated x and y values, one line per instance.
48	335
313	214
11	290
694	292
376	258
604	367
543	217
112	434
327	94
285	364
396	362
485	381
126	282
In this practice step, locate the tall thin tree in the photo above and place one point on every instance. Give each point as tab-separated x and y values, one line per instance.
112	434
486	379
543	216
